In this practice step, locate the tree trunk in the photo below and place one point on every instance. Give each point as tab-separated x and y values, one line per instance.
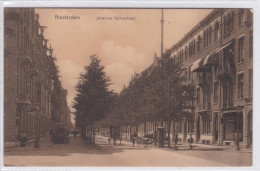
90	133
144	128
155	135
93	132
126	132
173	130
168	130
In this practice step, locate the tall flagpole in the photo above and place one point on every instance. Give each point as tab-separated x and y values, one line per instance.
162	20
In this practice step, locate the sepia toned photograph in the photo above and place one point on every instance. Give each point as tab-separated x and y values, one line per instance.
128	87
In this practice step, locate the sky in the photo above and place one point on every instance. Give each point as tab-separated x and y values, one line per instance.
124	46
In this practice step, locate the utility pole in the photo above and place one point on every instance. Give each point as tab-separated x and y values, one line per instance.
162	21
168	121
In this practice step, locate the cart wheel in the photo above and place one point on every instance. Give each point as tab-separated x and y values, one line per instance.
145	145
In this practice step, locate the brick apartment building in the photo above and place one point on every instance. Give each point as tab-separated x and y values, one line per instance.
217	55
34	99
217	58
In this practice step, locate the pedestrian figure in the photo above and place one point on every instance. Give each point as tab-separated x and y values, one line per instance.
190	141
75	133
155	137
175	140
134	136
22	138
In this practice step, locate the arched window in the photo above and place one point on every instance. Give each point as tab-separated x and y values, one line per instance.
189	49
232	21
182	56
209	35
193	47
225	24
228	23
186	53
179	57
204	38
216	31
241	17
198	49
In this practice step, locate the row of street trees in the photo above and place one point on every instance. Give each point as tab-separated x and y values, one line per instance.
158	94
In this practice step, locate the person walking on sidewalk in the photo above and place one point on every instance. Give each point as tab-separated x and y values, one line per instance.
134	136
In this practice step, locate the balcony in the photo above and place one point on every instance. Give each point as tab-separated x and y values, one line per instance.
249	100
225	71
25	56
204	81
204	107
35	107
24	98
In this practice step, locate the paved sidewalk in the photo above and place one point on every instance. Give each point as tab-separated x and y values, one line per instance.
184	146
44	143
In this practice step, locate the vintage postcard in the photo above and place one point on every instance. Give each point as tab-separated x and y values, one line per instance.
128	87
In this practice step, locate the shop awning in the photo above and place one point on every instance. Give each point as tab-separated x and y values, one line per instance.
211	59
223	47
197	65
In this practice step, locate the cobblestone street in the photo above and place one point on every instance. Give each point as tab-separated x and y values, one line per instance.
102	154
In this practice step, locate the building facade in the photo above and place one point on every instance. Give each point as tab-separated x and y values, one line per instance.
217	58
217	55
32	89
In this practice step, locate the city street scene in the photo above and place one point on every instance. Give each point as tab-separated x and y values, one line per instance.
86	87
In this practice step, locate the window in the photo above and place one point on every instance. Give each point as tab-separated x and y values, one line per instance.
182	56
216	92
241	17
189	73
186	53
193	47
216	31
198	96
206	124
190	49
209	35
225	25
240	86
198	44
38	91
250	93
232	21
204	39
251	44
228	24
240	49
186	74
249	14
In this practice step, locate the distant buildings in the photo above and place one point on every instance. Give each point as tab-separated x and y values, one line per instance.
34	99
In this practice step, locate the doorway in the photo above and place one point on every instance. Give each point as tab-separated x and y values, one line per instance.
198	129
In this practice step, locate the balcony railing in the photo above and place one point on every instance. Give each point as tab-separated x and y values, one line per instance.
204	80
34	69
224	71
204	106
24	98
34	107
25	56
